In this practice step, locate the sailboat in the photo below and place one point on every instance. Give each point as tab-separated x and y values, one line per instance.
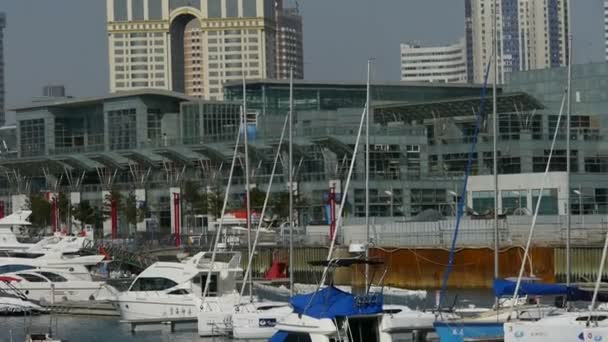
257	320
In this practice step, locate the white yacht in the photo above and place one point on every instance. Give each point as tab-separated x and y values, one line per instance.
9	225
13	301
52	286
168	290
258	320
569	326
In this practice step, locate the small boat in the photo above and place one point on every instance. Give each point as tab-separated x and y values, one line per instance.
569	326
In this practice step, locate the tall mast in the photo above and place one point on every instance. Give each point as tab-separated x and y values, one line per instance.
495	140
568	166
247	186
367	115
291	187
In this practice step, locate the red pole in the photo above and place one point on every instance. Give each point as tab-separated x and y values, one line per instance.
54	212
114	220
177	220
332	210
1	209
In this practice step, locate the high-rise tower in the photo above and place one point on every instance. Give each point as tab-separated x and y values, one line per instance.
532	34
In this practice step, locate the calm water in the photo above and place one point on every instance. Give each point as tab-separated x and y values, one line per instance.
100	329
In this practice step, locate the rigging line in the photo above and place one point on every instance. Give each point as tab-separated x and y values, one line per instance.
264	207
536	209
461	202
224	205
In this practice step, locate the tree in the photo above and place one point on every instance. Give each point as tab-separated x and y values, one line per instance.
133	214
192	198
41	210
84	213
257	198
63	207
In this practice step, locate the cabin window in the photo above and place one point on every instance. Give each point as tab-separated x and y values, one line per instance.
152	284
202	279
597	318
179	292
15	268
56	278
31	278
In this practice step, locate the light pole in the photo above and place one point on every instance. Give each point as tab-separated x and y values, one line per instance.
390	194
579	193
454	200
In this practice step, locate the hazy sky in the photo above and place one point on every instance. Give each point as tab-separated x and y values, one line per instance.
64	41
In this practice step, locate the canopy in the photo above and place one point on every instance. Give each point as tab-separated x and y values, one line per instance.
331	302
504	287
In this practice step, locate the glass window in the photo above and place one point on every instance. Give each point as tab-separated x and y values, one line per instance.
214	8
54	277
15	268
32	278
232	8
548	202
154	125
137	8
155	9
250	8
483	201
513	200
122	129
32	137
152	284
120	10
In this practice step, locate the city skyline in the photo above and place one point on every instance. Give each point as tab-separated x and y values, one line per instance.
42	54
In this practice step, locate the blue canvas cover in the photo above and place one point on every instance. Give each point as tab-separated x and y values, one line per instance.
504	287
331	302
279	336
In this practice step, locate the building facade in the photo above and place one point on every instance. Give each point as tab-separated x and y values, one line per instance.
2	70
441	64
147	43
290	42
606	28
420	136
532	34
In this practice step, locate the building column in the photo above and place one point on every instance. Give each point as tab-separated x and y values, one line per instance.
140	200
18	202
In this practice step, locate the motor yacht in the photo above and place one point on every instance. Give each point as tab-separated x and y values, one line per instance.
168	290
52	286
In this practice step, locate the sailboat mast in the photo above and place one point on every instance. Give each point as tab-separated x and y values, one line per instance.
367	115
568	152
247	186
495	141
291	187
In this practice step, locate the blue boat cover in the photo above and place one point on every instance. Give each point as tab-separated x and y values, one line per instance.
504	287
331	302
279	336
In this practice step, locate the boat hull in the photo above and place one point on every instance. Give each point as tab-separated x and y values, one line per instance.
461	331
258	324
531	332
132	308
595	334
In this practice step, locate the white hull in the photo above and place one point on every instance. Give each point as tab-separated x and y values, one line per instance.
64	291
134	306
405	320
258	320
566	327
11	305
215	315
596	334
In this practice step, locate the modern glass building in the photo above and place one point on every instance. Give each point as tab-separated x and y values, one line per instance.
420	137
